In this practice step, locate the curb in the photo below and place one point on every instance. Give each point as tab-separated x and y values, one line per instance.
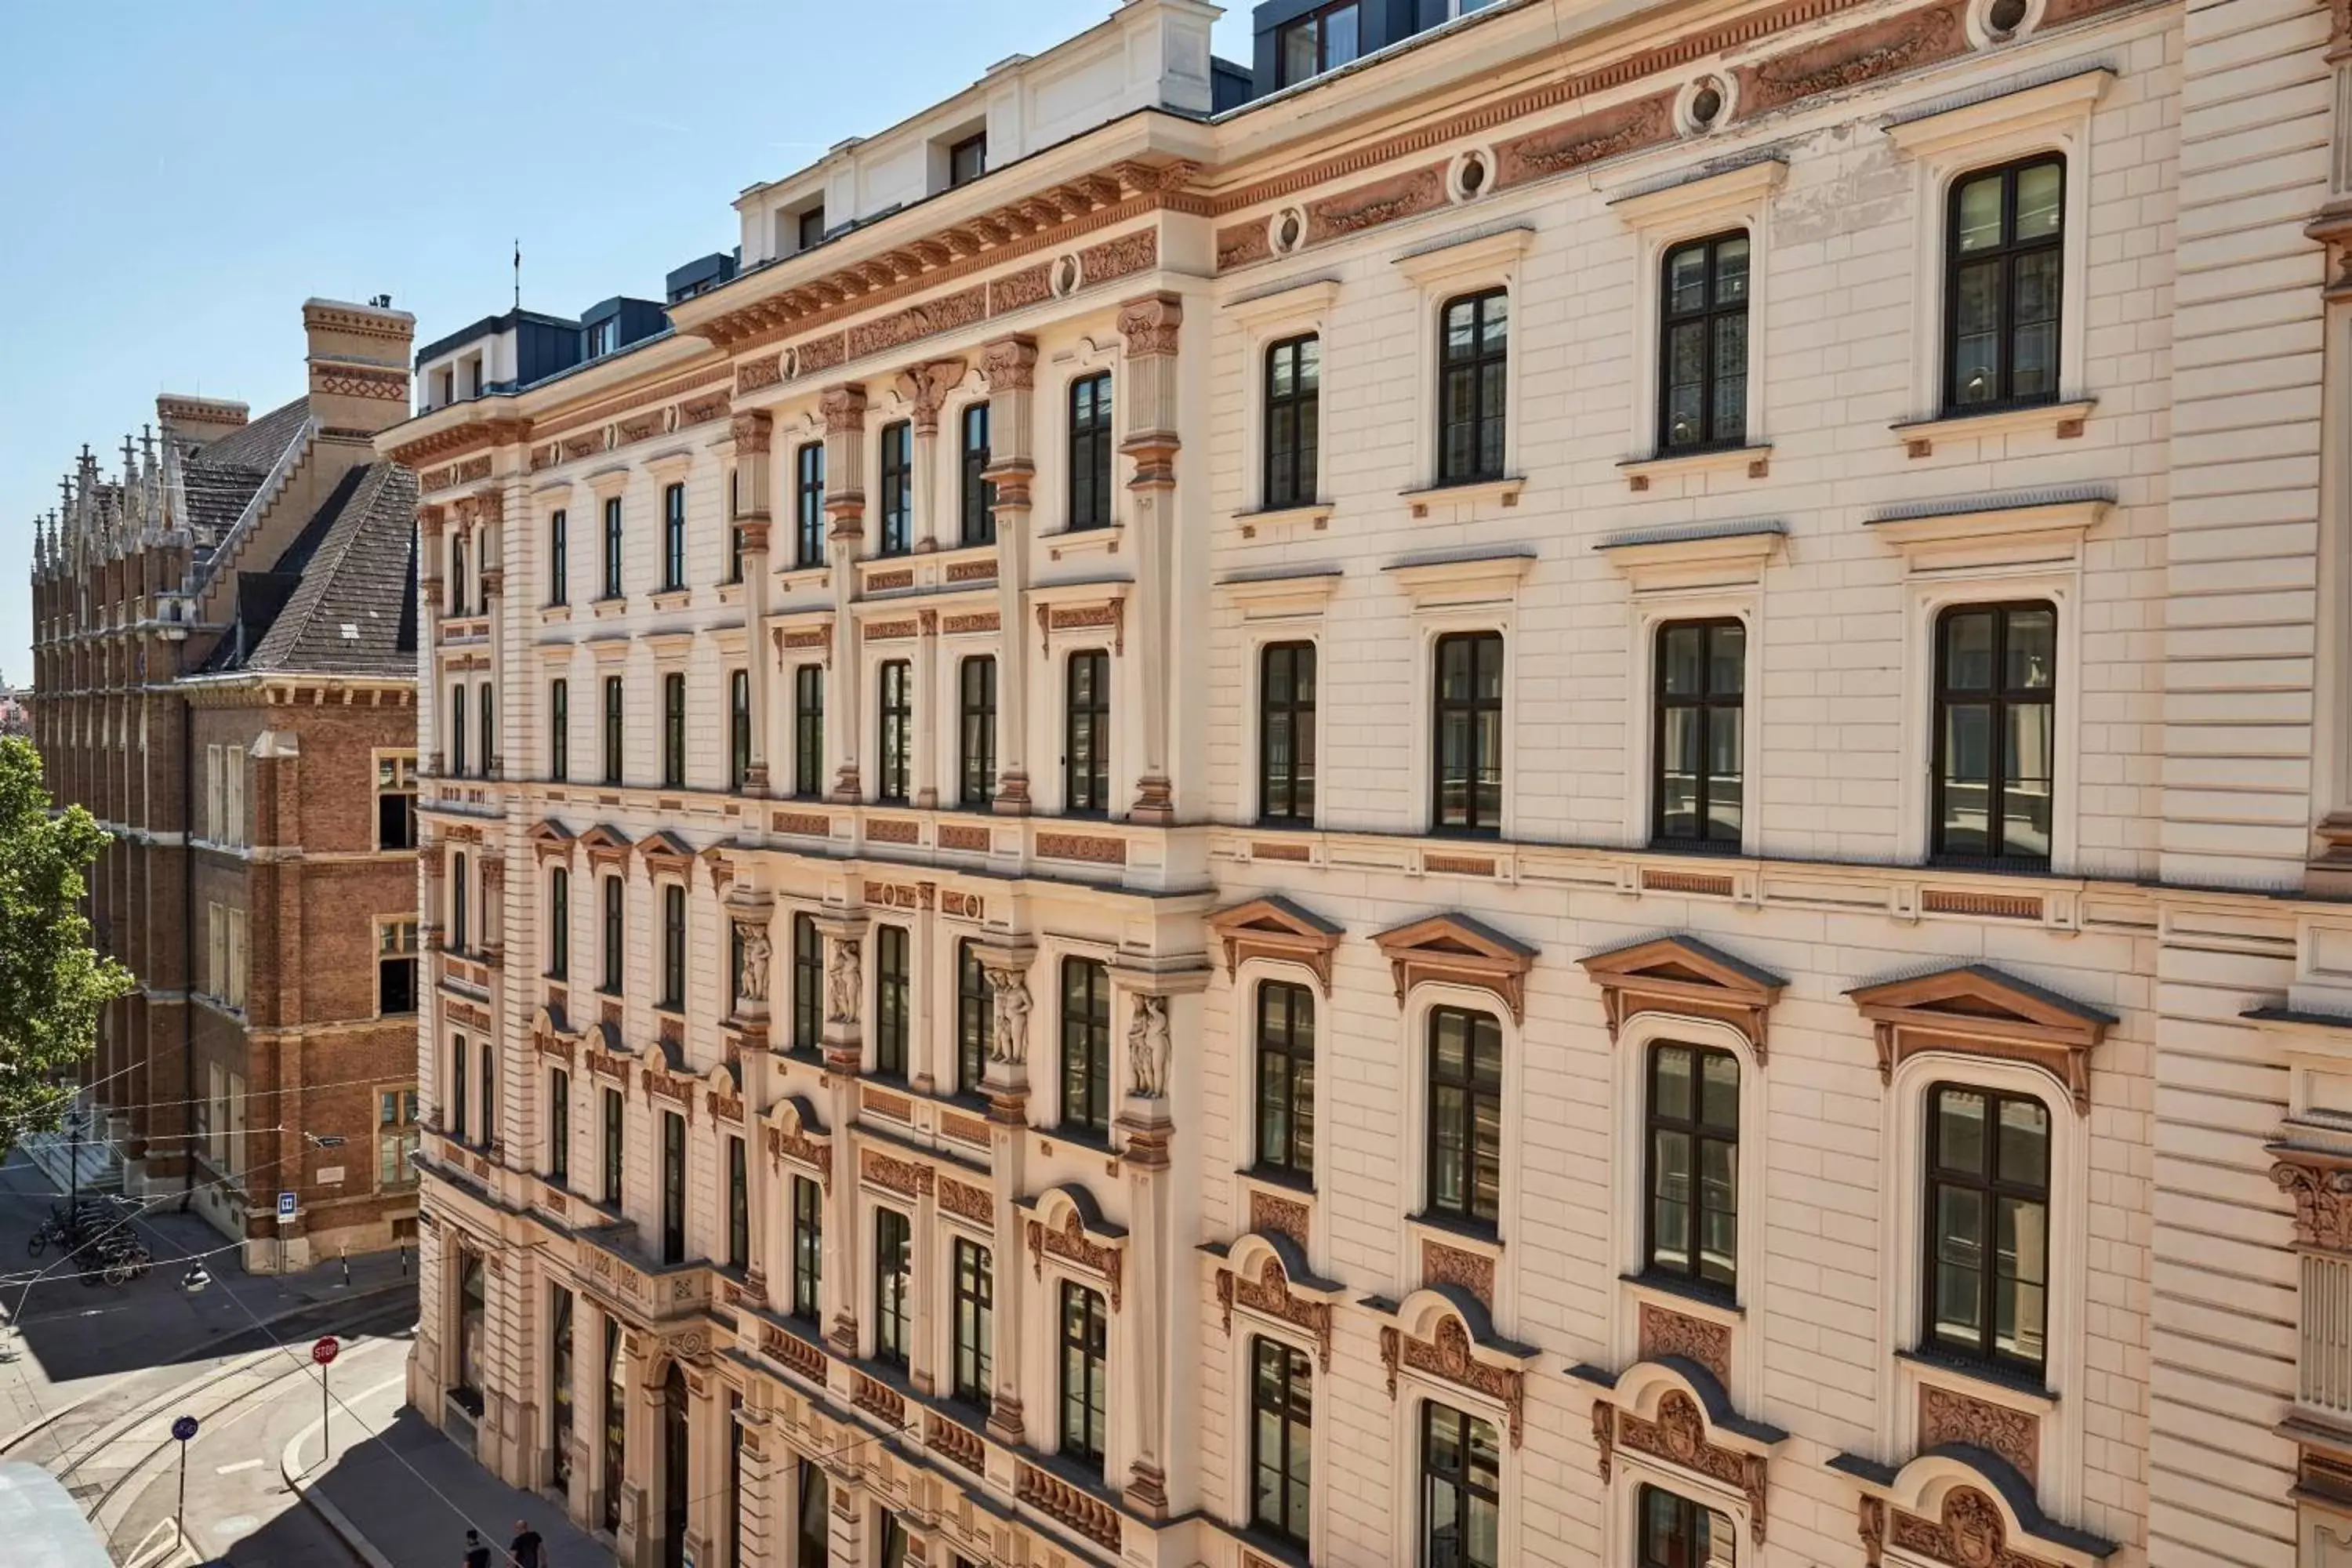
290	1467
34	1428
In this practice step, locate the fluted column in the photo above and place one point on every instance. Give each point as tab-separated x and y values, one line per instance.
1005	1081
844	1052
926	387
1149	325
1010	366
845	504
753	437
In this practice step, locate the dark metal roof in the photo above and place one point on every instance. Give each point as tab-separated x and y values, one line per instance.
352	608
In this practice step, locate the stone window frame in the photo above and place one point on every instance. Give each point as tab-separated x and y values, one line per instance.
1257	637
1627	1470
1907	1365
1098	352
1646	613
1240	1349
1413	1390
1253	970
1660	218
1942	147
1411	1194
1290	311
1445	271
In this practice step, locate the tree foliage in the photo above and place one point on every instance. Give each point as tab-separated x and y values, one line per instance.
52	980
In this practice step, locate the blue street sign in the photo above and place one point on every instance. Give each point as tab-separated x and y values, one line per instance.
286	1206
184	1427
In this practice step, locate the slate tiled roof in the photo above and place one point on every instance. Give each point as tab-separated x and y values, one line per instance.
354	609
221	476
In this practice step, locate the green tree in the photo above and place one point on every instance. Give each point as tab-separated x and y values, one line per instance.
52	981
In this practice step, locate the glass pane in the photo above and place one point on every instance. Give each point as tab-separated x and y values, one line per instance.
1731	401
2040	201
1681	655
1723	772
2033	649
1339	37
1670	1188
1678	774
1967	766
1446	1176
1731	271
2018	1297
1979	213
1960	1218
2025	783
1726	663
1282	378
1671	1083
1497	312
1686	279
1720	1089
1960	1131
1967	651
1461	329
1976	349
2024	1148
1299	52
1311	364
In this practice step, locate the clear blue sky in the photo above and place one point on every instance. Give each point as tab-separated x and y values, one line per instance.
178	179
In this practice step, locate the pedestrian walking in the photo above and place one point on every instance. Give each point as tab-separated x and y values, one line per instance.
477	1555
527	1549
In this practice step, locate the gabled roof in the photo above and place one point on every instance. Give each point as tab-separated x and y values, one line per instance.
352	608
220	478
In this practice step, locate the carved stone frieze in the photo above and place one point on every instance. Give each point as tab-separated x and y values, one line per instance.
1369	206
1448	1358
1970	1534
1848	59
977	1204
1665	1332
1589	139
1071	1246
1472	1271
1947	1415
908	1178
1270	1294
1271	1215
801	1147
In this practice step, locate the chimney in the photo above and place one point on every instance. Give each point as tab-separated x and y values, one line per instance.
197	421
358	365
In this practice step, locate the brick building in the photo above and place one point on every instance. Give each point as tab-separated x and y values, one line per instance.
223	662
1576	795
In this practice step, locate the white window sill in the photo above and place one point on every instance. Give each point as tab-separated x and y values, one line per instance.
1641	472
1505	490
1280	519
2063	421
1101	540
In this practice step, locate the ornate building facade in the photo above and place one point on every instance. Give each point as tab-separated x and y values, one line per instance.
225	675
1703	922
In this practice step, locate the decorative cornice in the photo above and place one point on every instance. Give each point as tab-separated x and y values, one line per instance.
1977	1010
1457	950
1682	975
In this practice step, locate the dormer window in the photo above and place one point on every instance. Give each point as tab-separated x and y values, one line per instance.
811	229
967	160
603	337
1319	41
448	387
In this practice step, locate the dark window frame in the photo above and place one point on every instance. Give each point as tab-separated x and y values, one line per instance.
1997	699
1086	718
1085	1015
614	1144
808	731
1092	479
893	1284
807	1302
673	968
673	538
673	731
893	1005
808	506
558	730
2007	254
1287	792
1706	702
975	1017
808	984
1281	1406
1467	371
1698	1130
673	1188
739	1204
893	731
1317	24
976	519
1461	1483
1687	1526
613	950
895	505
1991	1185
976	731
1285	1100
1082	1340
1479	714
738	729
558	1128
559	923
1708	317
558	556
1476	1169
615	718
1290	426
972	1337
612	584
967	159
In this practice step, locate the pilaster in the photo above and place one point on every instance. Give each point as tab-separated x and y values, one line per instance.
753	437
845	504
1010	366
844	1052
1005	1081
1150	327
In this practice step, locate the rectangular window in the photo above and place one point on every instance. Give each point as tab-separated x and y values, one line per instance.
612	729
559	1381
1317	42
612	1149
1285	1078
976	731
1086	1044
1701	686
808	516
975	1013
558	1127
673	537
461	905
1282	1429
396	1134
460	1089
457	733
1294	383
1702	345
977	512
967	160
673	731
809	227
1461	1491
808	1249
1473	359
892	1246
486	713
559	924
808	984
1468	789
457	574
1674	1531
1086	735
1090	447
2004	254
1988	1226
808	730
673	985
559	731
489	1067
1694	1181
1995	738
615	935
673	1196
612	547
1085	1345
898	497
1285	733
739	728
396	968
895	729
891	980
739	1206
395	800
975	1328
1465	1115
734	966
558	557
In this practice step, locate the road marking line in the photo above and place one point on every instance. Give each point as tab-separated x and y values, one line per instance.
240	1465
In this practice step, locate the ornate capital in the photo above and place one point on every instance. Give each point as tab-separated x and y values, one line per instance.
1149	325
844	408
751	432
926	388
2321	1187
1010	364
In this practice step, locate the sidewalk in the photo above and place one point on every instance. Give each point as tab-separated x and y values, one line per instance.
402	1496
73	1339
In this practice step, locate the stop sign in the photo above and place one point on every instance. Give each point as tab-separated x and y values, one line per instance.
325	1350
